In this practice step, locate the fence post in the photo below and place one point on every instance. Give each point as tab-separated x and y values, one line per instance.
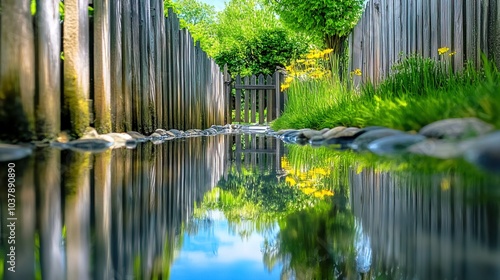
118	97
17	72
227	91
48	105
76	65
102	79
277	93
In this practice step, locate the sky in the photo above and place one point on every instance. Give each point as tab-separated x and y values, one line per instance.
218	4
218	253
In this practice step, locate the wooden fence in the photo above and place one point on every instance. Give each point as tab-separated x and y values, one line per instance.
255	95
389	28
254	151
135	68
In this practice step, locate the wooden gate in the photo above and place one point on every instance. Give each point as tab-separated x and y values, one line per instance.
254	99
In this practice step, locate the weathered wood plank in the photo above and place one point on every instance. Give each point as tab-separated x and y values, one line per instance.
146	91
137	123
261	100
247	100
76	66
48	106
118	108
102	77
458	36
254	87
277	93
157	59
269	100
253	97
237	106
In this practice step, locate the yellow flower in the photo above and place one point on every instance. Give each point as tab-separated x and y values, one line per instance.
327	51
443	50
308	190
290	181
356	72
452	53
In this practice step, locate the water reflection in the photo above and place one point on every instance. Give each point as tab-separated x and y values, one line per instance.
111	215
236	206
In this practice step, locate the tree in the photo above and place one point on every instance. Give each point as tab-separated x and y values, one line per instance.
263	53
199	18
333	20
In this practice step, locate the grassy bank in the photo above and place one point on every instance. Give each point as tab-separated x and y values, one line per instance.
418	92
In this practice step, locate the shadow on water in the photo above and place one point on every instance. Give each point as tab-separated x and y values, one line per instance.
307	213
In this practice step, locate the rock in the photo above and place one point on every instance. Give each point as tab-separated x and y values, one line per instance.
309	133
283	131
344	138
155	136
177	133
394	144
9	152
361	142
94	145
443	149
169	135
317	140
349	132
209	131
333	132
485	152
137	136
161	131
458	128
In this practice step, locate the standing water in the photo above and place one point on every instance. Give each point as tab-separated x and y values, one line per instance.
244	207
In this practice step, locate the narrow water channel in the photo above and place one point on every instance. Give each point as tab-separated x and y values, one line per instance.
243	207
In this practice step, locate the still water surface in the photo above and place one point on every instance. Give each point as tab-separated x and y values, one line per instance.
245	207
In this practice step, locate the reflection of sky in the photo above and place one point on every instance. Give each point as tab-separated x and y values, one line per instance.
215	253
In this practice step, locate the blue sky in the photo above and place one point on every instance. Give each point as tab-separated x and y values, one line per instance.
218	4
218	253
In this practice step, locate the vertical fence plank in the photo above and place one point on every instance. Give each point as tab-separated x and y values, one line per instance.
146	91
253	98
277	93
237	100
261	100
247	99
169	69
136	68
227	90
158	53
17	72
269	100
102	79
434	29
49	69
76	66
458	36
118	111
426	31
126	30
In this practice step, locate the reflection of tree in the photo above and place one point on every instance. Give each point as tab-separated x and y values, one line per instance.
254	200
315	243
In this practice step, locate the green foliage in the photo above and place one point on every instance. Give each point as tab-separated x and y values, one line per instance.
327	19
263	53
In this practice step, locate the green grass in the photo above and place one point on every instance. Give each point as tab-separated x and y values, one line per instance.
418	92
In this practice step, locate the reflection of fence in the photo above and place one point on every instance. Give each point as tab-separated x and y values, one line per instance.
256	95
255	151
117	213
434	227
130	64
388	28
